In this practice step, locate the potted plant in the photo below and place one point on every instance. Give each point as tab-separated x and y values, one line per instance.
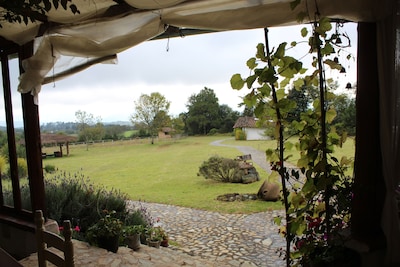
106	232
132	235
154	236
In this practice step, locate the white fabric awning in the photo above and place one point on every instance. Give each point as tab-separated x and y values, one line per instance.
104	28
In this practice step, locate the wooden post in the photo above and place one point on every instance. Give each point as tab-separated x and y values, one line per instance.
30	113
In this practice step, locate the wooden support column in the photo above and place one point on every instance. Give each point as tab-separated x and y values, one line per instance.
369	185
30	113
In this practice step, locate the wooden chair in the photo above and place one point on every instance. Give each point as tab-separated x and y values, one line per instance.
46	239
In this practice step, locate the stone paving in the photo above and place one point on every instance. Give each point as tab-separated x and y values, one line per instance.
200	238
243	238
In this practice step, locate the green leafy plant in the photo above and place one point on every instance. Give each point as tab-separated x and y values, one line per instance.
133	229
221	169
108	226
49	168
318	207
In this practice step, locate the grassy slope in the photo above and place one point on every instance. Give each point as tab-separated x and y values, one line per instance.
166	172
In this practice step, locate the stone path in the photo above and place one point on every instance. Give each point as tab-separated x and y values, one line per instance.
239	239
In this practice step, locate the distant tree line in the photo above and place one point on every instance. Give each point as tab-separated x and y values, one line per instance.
204	116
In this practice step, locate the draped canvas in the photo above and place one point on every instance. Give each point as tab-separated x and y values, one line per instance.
95	34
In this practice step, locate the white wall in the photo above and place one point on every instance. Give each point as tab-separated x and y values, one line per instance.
255	134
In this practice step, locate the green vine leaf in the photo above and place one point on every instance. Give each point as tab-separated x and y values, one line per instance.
250	99
267	76
259	109
250	80
261	52
324	26
303	162
278	220
237	82
327	49
265	90
332	64
331	115
304	32
252	63
298	84
280	94
280	52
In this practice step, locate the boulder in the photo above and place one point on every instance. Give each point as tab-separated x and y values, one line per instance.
269	191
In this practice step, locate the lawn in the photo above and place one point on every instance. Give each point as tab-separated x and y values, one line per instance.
165	172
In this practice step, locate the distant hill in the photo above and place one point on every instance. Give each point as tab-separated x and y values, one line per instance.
59	126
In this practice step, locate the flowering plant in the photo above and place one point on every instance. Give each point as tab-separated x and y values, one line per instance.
156	233
107	226
133	229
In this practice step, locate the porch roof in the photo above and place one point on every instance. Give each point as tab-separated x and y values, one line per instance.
66	43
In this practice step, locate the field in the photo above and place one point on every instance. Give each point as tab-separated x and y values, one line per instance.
165	172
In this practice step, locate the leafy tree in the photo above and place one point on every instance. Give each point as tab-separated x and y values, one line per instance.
152	111
228	118
115	132
345	120
178	124
89	127
203	112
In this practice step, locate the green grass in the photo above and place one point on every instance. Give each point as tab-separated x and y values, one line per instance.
347	149
165	172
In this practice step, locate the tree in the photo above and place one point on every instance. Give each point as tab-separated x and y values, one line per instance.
152	111
345	120
89	127
228	118
178	124
203	112
23	11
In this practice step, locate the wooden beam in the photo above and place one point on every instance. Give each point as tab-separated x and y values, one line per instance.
33	145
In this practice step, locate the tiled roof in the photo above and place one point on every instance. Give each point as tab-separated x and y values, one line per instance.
245	122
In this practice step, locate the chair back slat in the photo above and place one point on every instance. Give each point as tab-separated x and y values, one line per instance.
48	243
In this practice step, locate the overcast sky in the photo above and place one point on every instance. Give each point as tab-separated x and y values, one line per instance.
176	68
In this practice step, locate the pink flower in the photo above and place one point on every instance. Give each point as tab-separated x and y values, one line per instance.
77	228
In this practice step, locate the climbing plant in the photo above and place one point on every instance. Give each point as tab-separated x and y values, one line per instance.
316	192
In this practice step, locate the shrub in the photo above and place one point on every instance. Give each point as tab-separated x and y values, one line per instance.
3	164
240	134
213	131
22	168
73	197
49	168
221	169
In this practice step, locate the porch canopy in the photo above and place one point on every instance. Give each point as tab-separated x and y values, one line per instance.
64	43
68	42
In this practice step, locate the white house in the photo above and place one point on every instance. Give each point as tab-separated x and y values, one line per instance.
249	126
